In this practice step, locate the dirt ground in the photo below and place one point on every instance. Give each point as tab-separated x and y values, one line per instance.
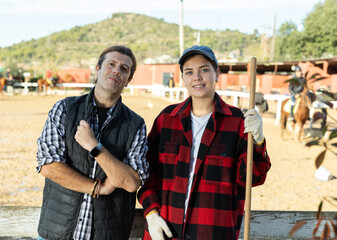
290	184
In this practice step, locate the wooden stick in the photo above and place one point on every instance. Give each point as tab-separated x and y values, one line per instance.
249	171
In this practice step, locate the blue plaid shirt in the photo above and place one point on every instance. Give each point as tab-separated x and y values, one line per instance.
52	148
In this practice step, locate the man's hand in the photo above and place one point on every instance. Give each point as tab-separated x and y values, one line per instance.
253	124
85	136
107	187
157	226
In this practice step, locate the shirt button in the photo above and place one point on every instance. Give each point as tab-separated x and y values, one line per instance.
187	237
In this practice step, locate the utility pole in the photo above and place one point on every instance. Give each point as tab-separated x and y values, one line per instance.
272	47
181	36
181	29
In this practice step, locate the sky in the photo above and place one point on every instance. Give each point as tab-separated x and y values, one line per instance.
23	20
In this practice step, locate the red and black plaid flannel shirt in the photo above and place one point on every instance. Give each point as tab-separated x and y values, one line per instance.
216	205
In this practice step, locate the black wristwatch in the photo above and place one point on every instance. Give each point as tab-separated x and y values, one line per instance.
96	150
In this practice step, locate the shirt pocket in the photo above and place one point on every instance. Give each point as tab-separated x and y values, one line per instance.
168	156
220	168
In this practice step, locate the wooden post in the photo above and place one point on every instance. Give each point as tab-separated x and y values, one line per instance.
249	171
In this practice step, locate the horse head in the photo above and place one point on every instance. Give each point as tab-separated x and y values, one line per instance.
261	104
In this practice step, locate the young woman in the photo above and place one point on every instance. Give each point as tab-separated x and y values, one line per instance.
197	155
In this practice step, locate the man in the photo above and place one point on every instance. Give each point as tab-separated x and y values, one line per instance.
295	87
10	85
49	78
8	72
92	154
197	155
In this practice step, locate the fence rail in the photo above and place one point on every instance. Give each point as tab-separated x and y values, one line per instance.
22	222
175	94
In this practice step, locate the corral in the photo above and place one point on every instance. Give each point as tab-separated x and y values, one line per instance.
290	185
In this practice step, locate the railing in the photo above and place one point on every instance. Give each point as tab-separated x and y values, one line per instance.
174	94
271	97
22	222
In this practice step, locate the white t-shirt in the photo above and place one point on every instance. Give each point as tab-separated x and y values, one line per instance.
198	128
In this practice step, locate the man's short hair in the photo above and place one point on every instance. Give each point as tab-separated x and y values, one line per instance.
123	50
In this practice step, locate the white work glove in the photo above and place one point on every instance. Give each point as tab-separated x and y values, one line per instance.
253	124
156	226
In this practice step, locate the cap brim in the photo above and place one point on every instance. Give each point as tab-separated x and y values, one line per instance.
191	53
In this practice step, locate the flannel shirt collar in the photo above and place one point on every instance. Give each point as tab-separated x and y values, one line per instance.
184	108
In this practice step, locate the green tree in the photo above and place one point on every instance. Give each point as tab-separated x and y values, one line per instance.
317	40
289	42
146	36
320	30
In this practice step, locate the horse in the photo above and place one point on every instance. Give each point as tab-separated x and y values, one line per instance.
41	82
301	115
2	84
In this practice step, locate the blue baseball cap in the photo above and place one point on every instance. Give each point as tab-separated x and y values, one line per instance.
202	50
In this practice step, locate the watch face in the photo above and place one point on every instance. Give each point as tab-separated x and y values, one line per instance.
94	152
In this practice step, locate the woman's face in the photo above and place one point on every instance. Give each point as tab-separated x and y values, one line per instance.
199	77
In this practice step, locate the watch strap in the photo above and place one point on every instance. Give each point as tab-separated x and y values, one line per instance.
96	150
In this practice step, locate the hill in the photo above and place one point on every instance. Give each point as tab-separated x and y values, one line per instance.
148	37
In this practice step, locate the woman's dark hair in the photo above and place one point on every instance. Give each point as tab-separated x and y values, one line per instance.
123	50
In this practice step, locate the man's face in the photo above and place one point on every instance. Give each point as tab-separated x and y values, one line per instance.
199	77
114	73
298	74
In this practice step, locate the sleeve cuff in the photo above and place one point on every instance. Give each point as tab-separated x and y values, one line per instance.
151	212
261	143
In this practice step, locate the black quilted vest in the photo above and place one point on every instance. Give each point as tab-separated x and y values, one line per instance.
112	214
